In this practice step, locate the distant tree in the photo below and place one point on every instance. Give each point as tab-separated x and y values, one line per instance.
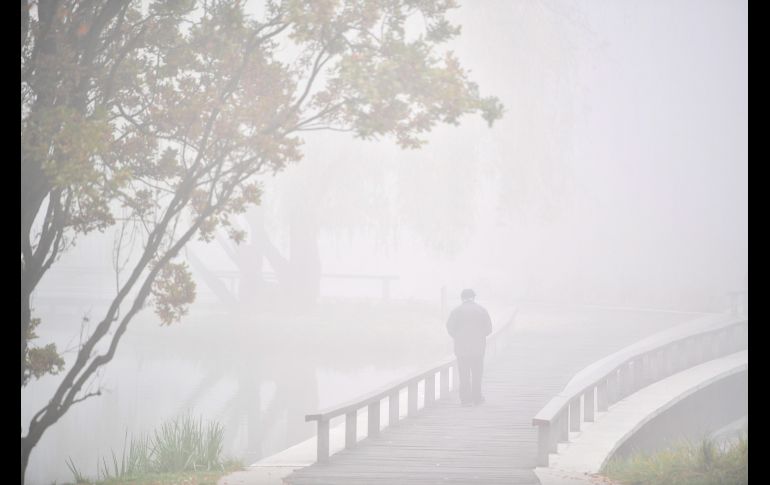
162	117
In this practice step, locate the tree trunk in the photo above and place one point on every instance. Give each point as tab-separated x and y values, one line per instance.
27	444
26	315
24	459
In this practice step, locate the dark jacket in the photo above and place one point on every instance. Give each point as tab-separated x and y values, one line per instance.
469	324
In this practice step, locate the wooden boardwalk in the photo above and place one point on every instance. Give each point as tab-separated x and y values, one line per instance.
494	443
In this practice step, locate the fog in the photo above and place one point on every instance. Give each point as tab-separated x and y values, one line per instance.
617	178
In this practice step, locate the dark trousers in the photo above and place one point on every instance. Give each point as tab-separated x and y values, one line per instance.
470	369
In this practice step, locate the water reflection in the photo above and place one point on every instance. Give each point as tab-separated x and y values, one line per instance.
257	372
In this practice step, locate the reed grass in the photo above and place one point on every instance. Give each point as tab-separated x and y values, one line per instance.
686	463
182	444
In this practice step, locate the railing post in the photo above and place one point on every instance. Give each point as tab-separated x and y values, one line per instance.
646	369
674	355
563	426
638	374
684	357
678	358
624	372
668	358
717	345
351	420
713	346
656	365
544	436
322	445
735	338
374	418
708	347
602	399
588	405
444	382
553	435
620	388
612	388
703	348
744	335
692	351
574	414
720	343
430	389
412	398
394	401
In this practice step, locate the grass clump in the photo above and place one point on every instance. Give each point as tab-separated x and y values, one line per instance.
186	444
182	450
686	463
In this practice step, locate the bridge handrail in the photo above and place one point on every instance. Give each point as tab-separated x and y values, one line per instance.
591	450
380	393
392	390
608	380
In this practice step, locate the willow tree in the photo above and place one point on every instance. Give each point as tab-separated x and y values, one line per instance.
163	119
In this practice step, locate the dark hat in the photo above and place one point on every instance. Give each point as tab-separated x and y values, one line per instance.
468	294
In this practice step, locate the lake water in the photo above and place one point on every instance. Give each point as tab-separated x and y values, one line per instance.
258	378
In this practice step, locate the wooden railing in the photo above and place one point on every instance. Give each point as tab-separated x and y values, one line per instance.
445	371
609	380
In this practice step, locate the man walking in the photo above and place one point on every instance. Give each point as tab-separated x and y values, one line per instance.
469	324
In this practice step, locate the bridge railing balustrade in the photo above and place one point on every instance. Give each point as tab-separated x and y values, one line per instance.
445	372
609	380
